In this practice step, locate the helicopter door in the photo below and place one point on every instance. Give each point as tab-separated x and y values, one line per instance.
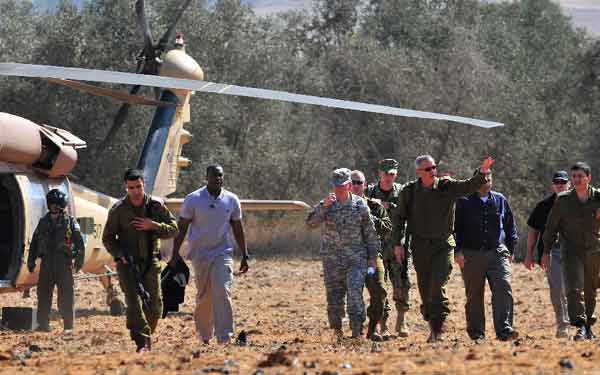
11	228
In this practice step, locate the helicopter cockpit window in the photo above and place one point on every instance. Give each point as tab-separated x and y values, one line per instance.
49	154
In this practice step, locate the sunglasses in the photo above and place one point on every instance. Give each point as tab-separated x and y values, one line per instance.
429	169
357	182
560	182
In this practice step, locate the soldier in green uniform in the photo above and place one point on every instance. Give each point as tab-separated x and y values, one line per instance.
375	275
425	212
57	240
576	216
386	192
131	235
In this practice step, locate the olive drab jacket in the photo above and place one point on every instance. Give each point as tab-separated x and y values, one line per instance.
57	238
381	219
575	221
429	213
122	239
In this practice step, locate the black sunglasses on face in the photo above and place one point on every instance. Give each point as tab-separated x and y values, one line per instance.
560	182
356	182
429	169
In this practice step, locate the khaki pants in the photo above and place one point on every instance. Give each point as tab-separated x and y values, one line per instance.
214	310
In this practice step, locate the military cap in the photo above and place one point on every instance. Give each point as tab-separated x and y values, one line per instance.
388	166
340	176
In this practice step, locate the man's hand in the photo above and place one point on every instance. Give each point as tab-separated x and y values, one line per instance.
528	262
77	264
486	164
174	259
546	258
460	260
372	263
329	200
144	224
399	253
244	266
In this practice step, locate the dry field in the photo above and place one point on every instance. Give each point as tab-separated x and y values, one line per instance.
281	305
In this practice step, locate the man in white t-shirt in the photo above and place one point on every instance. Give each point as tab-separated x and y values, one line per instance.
210	212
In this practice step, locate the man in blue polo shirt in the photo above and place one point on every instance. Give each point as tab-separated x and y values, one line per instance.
211	212
486	236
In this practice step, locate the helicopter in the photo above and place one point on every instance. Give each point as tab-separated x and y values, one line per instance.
35	158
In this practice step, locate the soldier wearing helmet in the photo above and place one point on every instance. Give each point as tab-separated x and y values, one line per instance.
58	242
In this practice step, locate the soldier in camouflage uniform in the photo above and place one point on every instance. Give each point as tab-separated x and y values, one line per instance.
386	192
131	235
425	212
349	242
57	240
375	276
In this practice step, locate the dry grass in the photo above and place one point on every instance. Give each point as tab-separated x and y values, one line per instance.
281	305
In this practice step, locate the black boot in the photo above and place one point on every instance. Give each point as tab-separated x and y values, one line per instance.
590	322
357	329
581	333
372	333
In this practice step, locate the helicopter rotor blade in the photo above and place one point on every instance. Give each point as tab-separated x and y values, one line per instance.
144	26
26	70
162	43
108	93
118	122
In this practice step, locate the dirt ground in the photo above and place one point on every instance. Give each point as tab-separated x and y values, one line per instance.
281	305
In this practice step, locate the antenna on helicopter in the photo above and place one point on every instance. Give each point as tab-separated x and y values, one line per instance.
148	62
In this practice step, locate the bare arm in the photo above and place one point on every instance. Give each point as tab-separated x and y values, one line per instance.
183	225
238	233
240	238
532	239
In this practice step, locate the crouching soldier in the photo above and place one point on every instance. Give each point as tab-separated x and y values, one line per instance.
349	242
57	240
131	235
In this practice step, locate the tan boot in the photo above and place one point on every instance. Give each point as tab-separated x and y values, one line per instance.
385	334
401	327
338	334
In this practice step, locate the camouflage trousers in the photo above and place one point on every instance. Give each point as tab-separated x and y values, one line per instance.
398	275
141	322
344	274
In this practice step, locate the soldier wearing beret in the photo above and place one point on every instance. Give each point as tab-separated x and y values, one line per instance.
386	191
426	212
349	242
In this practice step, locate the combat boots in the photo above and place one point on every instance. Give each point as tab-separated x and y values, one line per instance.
372	333
357	328
338	334
385	334
401	327
436	332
